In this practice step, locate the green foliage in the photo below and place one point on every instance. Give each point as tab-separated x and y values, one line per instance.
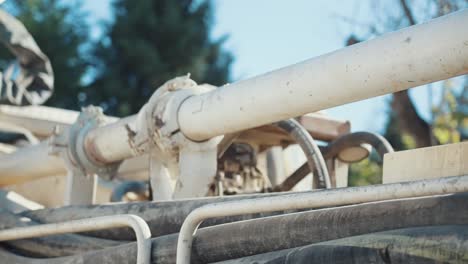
149	43
60	32
451	114
364	173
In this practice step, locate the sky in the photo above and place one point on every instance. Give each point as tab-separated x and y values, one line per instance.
269	34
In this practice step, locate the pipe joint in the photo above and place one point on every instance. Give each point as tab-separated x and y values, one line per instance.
173	155
77	152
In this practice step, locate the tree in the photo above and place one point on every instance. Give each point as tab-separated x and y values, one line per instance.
61	33
150	42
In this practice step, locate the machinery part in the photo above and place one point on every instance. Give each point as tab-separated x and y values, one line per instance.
432	244
309	147
137	187
226	142
238	170
262	235
387	64
356	139
141	229
332	197
174	158
82	167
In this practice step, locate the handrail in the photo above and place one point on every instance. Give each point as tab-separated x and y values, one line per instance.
142	231
328	197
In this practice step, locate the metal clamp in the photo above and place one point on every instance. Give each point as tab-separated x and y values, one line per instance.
82	168
179	167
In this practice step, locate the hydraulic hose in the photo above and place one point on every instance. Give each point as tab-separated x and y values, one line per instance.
433	244
257	236
379	143
163	217
394	246
310	148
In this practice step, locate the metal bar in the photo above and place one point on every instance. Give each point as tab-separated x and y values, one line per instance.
326	198
142	231
407	58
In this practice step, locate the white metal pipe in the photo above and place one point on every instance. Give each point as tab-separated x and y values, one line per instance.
410	57
325	198
40	164
111	143
142	231
29	163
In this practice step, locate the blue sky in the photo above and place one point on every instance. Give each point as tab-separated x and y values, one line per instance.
268	34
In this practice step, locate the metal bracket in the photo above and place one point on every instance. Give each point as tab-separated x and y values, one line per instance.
82	169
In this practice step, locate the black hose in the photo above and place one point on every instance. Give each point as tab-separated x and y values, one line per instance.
310	148
257	236
395	246
379	143
434	244
163	217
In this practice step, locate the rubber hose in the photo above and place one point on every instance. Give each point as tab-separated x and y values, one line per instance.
257	236
163	217
433	244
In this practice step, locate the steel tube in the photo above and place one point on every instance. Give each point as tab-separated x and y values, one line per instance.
40	164
331	197
141	229
407	58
